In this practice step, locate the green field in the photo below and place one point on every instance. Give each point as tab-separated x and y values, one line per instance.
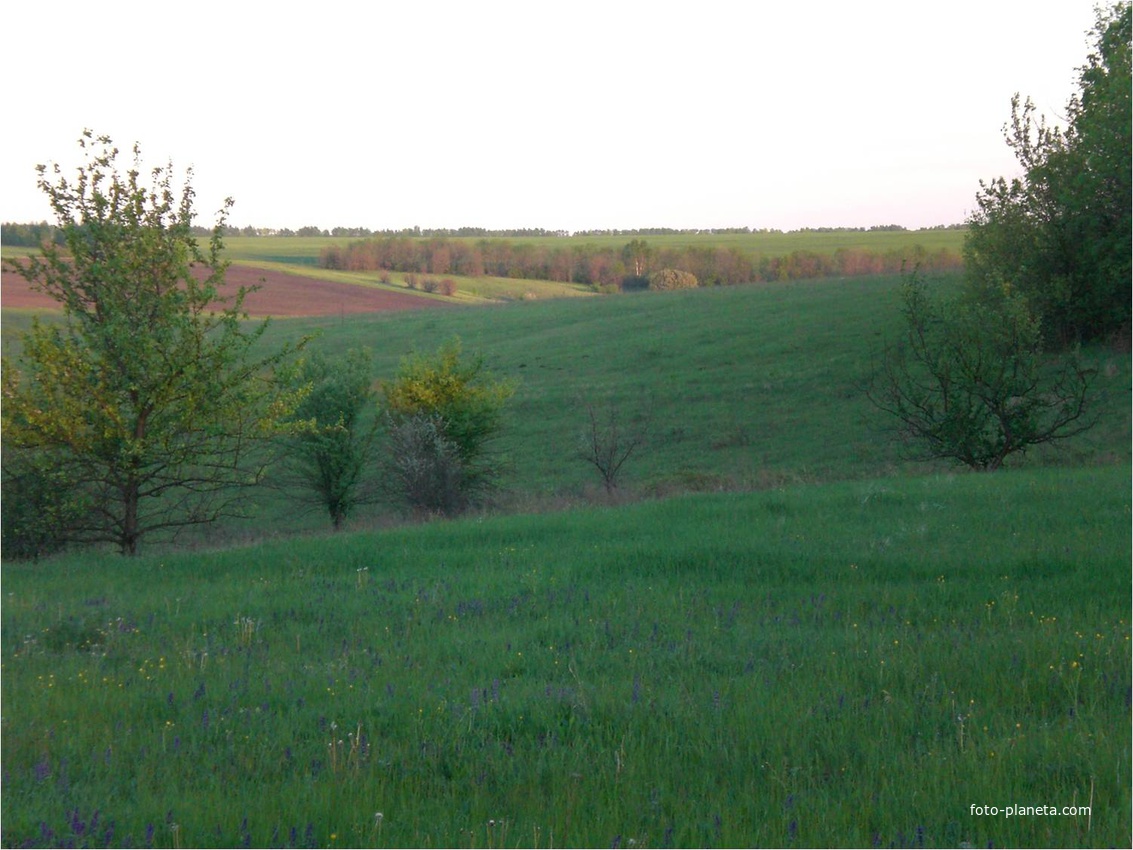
848	647
848	665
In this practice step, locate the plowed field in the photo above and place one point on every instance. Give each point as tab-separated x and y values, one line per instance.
280	294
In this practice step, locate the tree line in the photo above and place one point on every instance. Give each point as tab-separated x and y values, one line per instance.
603	266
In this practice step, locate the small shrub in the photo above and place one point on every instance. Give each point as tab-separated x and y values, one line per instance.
665	279
411	280
609	439
384	277
431	284
448	287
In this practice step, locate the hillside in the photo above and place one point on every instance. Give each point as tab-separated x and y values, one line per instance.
747	387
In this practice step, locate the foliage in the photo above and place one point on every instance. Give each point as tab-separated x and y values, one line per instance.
672	279
1061	235
148	388
448	410
40	502
969	381
328	455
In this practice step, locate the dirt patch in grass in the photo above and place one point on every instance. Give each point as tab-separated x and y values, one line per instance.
280	294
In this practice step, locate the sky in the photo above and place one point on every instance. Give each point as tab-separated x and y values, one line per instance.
570	116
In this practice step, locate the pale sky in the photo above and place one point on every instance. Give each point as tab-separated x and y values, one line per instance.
570	115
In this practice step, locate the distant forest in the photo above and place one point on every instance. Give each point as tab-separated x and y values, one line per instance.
624	267
32	234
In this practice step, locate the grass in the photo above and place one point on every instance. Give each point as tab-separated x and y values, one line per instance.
855	664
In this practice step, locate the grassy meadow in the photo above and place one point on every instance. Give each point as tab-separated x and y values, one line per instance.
854	664
813	640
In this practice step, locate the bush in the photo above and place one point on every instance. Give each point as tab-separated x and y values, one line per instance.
664	279
425	468
635	282
333	439
969	381
39	504
441	414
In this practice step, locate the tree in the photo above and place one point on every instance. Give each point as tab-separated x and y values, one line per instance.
442	412
969	380
607	443
425	467
147	392
333	443
1061	235
636	256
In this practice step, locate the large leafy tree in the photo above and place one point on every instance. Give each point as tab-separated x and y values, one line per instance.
1061	234
149	392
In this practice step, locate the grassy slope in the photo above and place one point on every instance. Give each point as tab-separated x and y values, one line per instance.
848	665
747	386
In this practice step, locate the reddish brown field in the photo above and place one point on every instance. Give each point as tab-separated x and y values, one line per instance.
280	294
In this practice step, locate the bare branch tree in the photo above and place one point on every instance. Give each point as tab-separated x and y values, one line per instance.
608	442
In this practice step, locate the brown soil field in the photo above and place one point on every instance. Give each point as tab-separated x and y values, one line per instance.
280	294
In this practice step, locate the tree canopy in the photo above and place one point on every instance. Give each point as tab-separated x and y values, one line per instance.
148	392
1061	234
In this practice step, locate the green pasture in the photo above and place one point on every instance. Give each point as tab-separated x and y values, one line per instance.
855	664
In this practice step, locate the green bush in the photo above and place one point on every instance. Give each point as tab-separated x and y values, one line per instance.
39	504
441	414
663	279
969	380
